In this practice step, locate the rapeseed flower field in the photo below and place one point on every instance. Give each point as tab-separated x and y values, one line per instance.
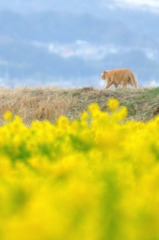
96	178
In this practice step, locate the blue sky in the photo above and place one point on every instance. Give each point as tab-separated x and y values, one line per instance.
148	5
107	37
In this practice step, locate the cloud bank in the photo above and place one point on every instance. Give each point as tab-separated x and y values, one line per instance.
145	5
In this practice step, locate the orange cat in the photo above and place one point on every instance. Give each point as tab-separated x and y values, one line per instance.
121	76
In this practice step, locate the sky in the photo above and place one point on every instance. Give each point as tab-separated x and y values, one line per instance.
148	5
139	2
93	53
152	5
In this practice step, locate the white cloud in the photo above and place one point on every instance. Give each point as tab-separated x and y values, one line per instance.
148	5
81	49
88	51
102	83
150	54
153	83
152	3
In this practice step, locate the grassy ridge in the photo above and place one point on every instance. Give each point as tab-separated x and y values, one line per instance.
49	103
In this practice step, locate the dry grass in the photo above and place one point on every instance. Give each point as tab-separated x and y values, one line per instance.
49	103
35	103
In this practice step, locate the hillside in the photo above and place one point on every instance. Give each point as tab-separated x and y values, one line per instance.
49	103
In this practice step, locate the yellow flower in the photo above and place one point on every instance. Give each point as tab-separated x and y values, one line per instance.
63	122
93	107
98	167
113	104
122	114
84	116
7	116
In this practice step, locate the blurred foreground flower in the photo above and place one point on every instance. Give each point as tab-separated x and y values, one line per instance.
7	116
90	179
113	104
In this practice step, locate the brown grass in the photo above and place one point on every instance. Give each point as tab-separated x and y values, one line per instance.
35	103
49	103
